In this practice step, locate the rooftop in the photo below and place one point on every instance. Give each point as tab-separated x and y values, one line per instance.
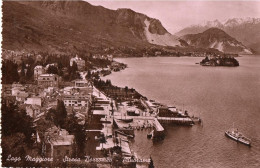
47	75
38	67
62	140
99	112
59	136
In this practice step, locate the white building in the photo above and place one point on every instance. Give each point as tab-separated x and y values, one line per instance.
76	101
58	143
38	70
48	80
16	88
33	101
33	110
82	84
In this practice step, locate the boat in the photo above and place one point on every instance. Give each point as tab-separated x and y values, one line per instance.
150	135
127	120
238	136
196	119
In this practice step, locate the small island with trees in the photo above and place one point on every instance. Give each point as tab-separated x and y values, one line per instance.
223	60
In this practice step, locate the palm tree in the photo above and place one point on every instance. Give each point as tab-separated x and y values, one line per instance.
126	90
112	106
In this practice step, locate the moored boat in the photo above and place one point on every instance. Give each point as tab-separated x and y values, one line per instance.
238	136
127	120
150	135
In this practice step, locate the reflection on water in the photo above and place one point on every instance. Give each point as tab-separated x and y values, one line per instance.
220	95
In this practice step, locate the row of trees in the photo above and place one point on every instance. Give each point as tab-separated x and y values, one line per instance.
10	72
10	69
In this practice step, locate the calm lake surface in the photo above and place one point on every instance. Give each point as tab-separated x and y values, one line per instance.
220	95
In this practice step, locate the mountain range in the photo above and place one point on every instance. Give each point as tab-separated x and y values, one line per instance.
73	26
245	30
218	39
66	26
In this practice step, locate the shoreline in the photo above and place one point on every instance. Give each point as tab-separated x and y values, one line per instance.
141	95
138	121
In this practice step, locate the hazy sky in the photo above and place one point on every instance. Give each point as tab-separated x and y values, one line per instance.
176	15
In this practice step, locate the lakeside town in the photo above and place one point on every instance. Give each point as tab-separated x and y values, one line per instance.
66	115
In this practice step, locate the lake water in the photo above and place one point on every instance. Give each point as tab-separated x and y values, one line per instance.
220	95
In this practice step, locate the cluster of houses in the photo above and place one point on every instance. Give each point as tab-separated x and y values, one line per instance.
17	56
104	56
51	79
79	98
115	66
38	99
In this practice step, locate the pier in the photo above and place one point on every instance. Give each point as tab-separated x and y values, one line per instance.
175	120
158	130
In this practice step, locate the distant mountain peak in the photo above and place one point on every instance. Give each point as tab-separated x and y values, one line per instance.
218	39
245	30
214	23
215	30
239	21
227	22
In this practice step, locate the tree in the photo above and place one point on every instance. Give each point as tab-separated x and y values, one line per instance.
112	106
9	72
27	126
88	75
22	74
80	137
30	72
13	145
73	72
51	115
102	139
23	123
126	90
108	82
74	67
79	132
52	70
61	114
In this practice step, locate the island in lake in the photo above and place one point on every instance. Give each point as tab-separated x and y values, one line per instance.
223	60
